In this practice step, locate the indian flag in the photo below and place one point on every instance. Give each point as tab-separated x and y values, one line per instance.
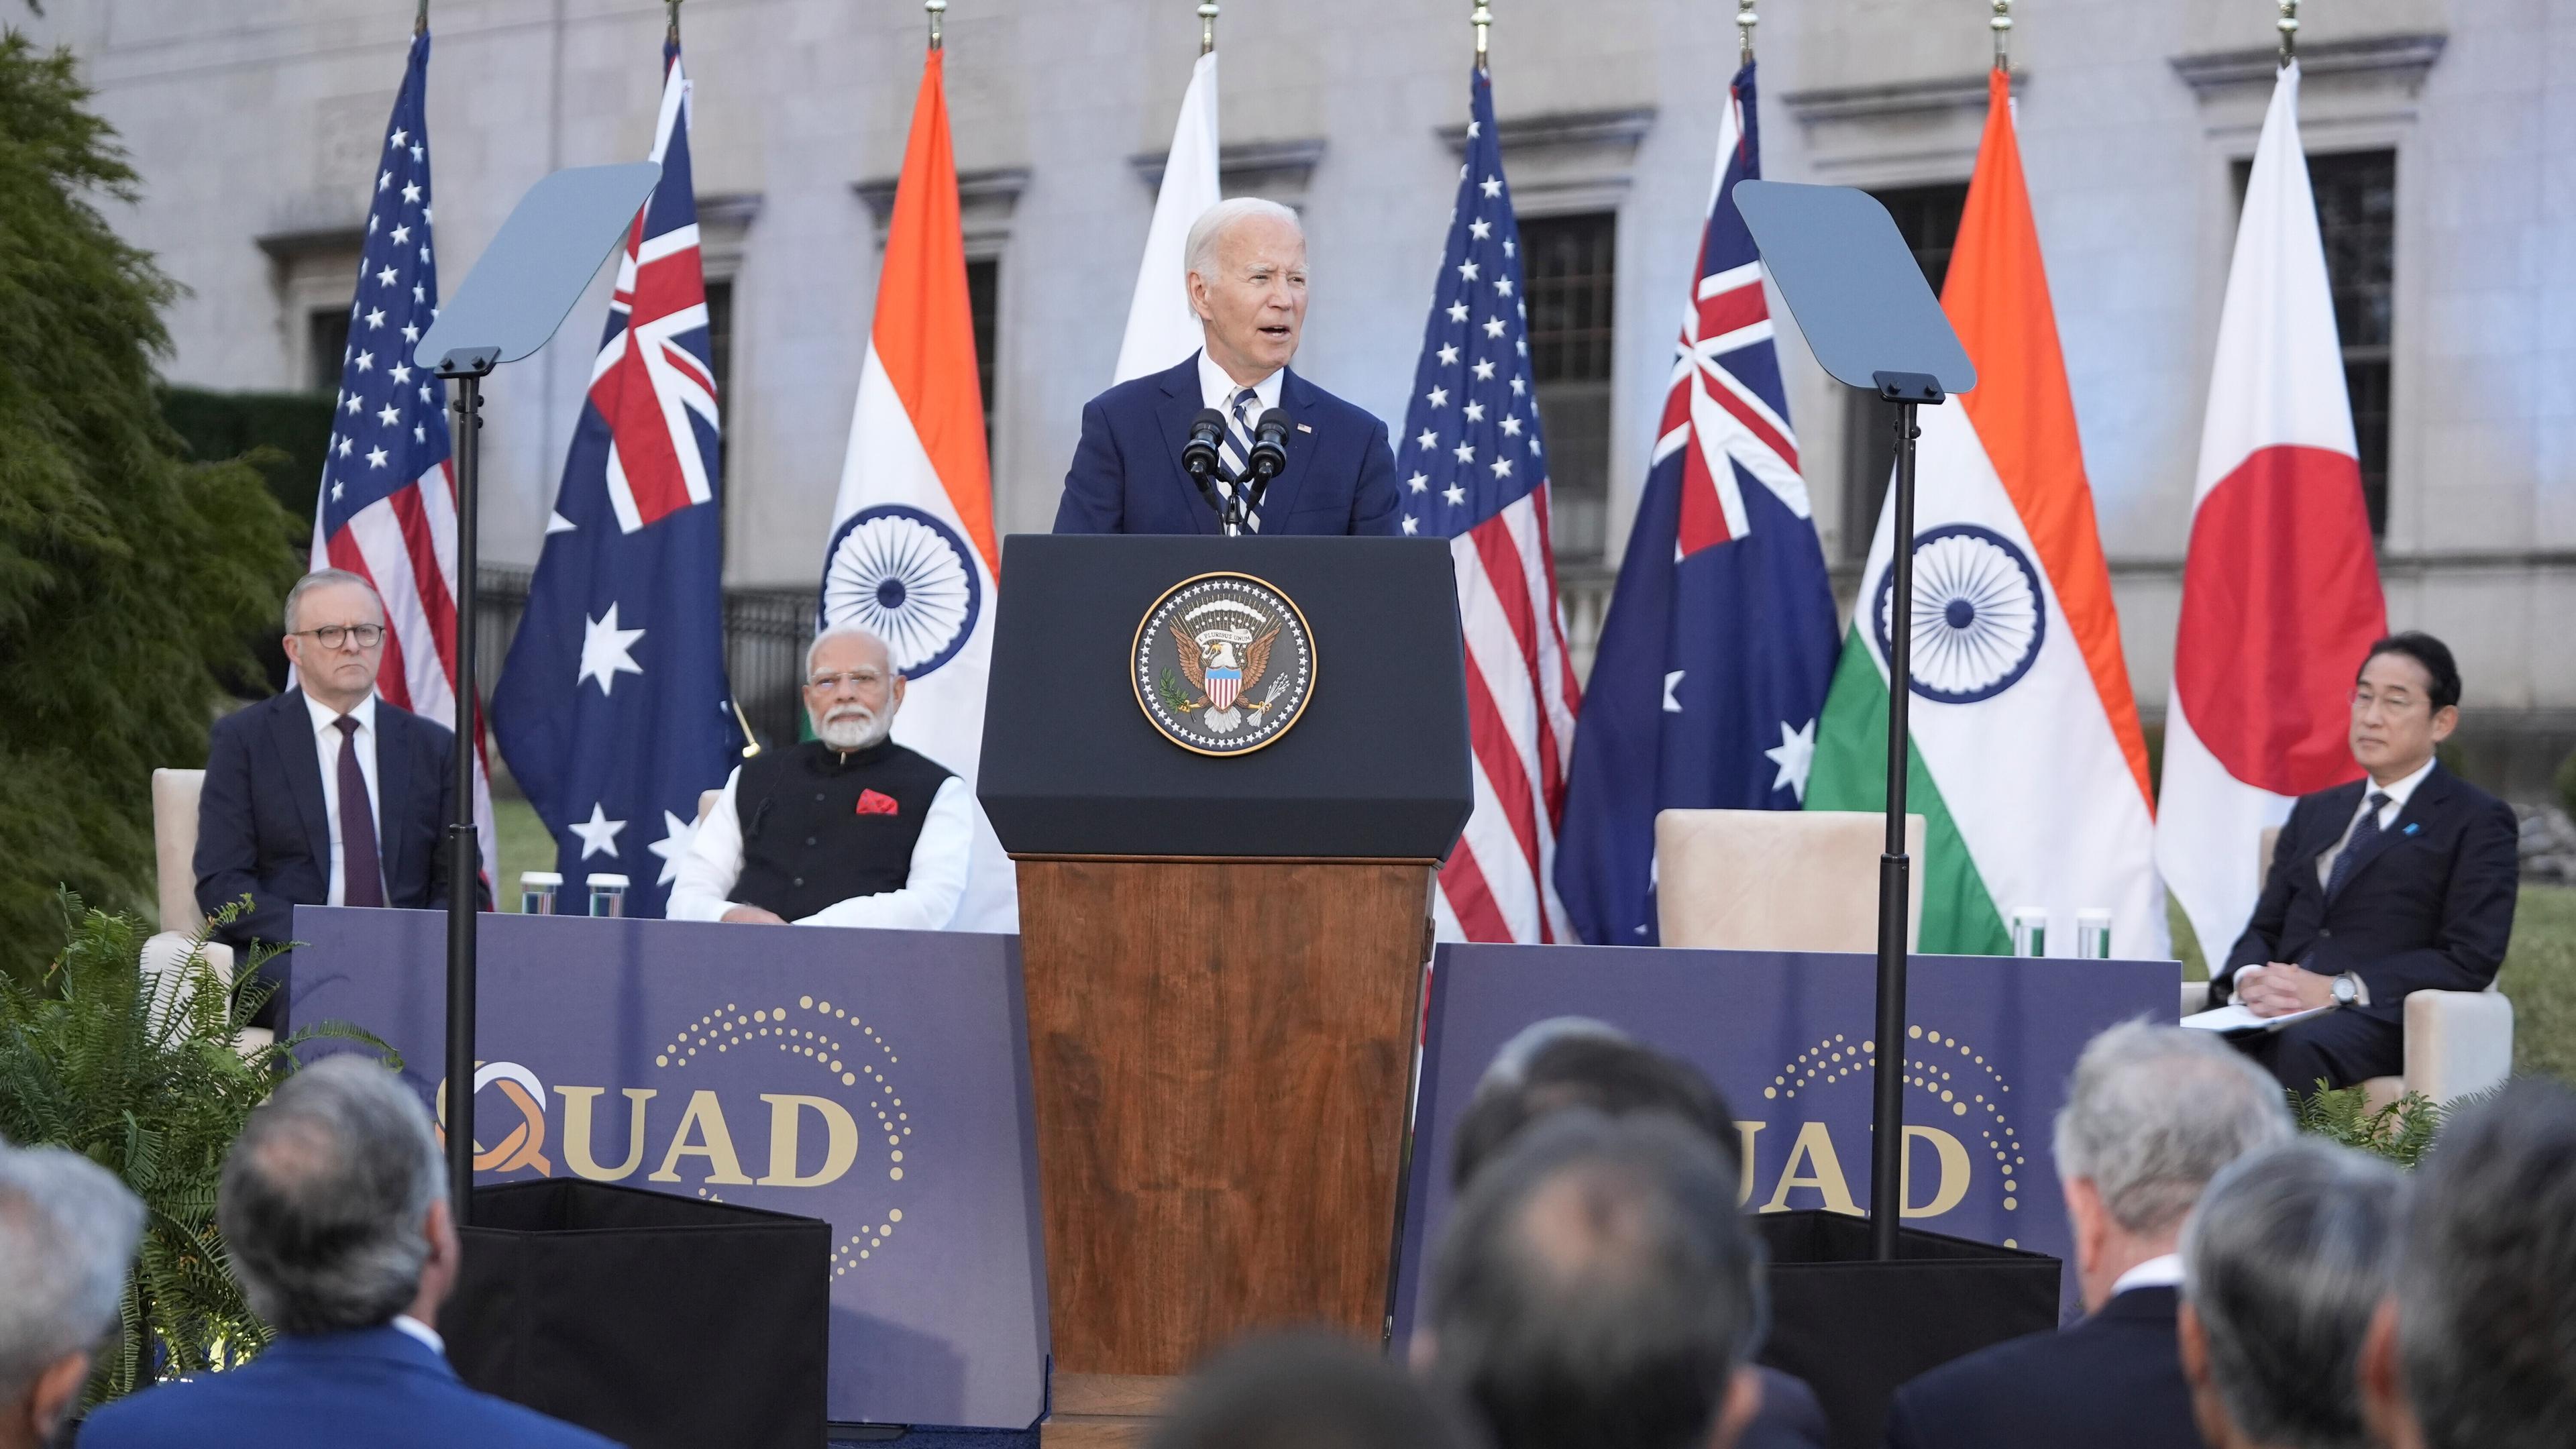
912	555
2027	761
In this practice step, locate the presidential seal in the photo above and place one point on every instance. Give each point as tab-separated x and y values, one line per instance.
1223	664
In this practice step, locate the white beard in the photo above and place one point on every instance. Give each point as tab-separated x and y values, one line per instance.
854	731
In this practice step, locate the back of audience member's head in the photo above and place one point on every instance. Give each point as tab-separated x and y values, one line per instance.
326	1198
1572	1061
67	1235
2284	1262
1596	1289
2477	1350
1308	1390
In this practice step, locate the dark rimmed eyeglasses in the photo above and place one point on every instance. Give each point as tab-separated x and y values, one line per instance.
332	636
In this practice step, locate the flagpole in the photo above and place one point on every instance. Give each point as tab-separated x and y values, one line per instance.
1745	20
2001	25
1207	27
936	8
2288	25
1482	17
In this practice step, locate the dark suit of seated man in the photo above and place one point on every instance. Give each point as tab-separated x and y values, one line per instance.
273	821
2153	1114
2364	905
1247	281
334	1203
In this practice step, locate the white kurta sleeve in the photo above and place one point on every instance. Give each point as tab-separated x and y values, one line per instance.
713	862
928	899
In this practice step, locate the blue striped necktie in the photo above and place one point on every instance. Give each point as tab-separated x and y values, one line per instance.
1237	471
2364	831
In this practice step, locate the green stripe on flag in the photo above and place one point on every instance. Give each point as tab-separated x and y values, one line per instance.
1850	773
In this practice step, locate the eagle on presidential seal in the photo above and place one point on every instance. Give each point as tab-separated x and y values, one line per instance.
1224	659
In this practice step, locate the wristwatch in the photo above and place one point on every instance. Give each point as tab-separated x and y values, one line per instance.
2347	990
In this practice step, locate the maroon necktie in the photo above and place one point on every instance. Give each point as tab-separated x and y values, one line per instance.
362	879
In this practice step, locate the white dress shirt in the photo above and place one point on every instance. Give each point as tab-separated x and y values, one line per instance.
1217	388
423	1332
326	741
2162	1271
927	900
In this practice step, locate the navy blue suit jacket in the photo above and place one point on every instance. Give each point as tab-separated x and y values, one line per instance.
2113	1381
262	830
378	1387
1127	475
2427	906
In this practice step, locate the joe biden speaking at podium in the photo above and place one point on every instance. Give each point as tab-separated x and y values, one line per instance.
1247	281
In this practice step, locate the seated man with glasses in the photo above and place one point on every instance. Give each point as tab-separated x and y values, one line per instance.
846	829
326	794
2402	880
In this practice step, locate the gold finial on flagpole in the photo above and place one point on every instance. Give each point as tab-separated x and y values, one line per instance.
673	6
1745	20
936	9
1482	17
2001	25
2288	25
1207	26
750	741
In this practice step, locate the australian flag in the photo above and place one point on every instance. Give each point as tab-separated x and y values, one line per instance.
613	710
1720	640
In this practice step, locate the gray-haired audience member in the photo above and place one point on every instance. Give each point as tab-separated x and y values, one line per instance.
2283	1263
334	1204
67	1233
1567	1062
1308	1391
2152	1115
1596	1289
2476	1349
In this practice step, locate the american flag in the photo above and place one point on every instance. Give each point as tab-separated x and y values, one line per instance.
1475	470
1720	640
388	505
613	709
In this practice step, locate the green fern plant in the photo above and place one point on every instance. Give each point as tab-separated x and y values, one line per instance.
2402	1131
146	1080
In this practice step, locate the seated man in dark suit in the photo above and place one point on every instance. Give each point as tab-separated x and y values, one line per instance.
1247	280
2284	1263
2401	881
1573	1062
275	821
2153	1113
334	1203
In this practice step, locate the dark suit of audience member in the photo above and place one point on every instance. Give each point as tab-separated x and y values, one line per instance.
2113	1381
2401	881
2153	1114
334	1205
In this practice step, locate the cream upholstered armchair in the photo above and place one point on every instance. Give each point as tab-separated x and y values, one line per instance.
2457	1042
1775	880
174	847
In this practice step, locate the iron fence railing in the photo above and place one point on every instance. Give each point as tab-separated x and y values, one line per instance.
765	634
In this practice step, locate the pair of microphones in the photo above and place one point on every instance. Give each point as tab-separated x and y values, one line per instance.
1269	455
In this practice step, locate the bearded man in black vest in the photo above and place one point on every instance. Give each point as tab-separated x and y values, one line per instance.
847	829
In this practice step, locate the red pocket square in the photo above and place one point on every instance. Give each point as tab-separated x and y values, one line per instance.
872	803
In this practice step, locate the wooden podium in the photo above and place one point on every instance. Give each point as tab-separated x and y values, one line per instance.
1223	956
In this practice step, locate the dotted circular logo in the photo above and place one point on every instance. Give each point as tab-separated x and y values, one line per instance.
1223	664
1979	614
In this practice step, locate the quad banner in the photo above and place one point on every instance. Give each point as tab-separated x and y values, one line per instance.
879	1080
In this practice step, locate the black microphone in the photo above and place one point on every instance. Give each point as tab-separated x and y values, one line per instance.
1269	447
1199	454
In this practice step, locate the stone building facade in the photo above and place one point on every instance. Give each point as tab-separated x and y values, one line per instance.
2442	133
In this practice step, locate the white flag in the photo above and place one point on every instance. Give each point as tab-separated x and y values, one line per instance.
1162	331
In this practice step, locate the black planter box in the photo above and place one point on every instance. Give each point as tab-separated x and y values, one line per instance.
1854	1328
662	1322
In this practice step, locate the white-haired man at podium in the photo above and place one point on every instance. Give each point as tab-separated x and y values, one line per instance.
846	829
